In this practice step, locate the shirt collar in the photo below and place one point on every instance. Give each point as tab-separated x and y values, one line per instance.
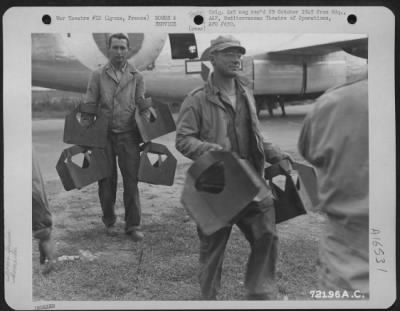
122	69
216	91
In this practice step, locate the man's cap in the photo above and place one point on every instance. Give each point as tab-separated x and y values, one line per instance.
227	41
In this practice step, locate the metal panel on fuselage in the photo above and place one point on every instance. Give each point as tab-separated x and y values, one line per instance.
293	74
274	76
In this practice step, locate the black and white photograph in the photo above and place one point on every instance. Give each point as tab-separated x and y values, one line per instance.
216	165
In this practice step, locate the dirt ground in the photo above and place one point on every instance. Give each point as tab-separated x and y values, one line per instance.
164	265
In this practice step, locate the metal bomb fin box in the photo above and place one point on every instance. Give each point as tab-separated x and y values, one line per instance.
95	166
297	196
162	172
94	134
218	186
161	125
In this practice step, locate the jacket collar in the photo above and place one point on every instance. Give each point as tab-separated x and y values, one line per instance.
128	73
213	93
122	69
109	69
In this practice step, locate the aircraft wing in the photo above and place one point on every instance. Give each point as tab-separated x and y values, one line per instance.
317	44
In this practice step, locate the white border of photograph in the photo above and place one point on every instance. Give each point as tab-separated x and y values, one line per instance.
19	24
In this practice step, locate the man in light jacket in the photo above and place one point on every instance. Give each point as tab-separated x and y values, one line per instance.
118	88
222	116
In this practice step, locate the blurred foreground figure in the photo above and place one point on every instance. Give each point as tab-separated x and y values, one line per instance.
222	116
334	138
41	218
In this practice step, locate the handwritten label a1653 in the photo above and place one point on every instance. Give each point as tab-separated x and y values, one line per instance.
378	250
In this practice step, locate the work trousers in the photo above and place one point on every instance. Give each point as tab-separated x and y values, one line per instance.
257	222
123	147
344	255
41	218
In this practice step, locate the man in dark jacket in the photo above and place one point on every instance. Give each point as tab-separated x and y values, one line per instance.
222	116
118	88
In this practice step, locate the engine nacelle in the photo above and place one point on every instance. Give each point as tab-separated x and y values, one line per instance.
291	74
91	49
65	61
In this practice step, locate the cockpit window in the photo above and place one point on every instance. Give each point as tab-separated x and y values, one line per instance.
183	45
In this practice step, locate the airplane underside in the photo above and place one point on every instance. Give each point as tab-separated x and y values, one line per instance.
276	78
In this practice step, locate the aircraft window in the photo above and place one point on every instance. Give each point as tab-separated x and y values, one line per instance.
183	45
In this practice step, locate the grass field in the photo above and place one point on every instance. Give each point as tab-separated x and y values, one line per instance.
53	104
164	265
